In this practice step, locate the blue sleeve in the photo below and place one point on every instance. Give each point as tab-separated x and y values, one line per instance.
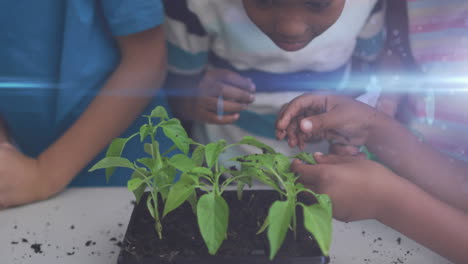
126	17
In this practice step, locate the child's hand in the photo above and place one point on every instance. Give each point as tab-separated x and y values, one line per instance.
237	93
22	179
358	188
341	120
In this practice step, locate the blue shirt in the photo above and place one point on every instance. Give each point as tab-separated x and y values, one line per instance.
55	55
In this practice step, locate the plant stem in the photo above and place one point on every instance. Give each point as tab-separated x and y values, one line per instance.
280	180
228	181
147	181
156	214
169	150
217	175
294	220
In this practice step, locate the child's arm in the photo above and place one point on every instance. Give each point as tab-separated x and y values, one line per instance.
363	189
123	97
438	174
350	122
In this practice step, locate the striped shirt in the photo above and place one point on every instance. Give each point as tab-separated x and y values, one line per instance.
439	43
218	33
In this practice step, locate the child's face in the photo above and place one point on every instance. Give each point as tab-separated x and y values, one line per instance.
292	24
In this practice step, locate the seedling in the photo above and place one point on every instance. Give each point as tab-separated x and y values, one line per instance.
156	171
201	172
272	169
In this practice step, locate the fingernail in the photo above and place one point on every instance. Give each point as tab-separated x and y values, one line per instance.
318	154
252	84
306	125
251	97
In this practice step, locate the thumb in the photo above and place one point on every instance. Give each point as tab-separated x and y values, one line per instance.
336	159
317	123
309	174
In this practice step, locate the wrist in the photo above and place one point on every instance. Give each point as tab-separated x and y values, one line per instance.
397	198
379	127
53	176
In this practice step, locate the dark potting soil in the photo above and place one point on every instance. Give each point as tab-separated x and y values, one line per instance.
182	241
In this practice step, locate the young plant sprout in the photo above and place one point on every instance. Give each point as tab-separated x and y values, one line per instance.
272	169
155	172
201	172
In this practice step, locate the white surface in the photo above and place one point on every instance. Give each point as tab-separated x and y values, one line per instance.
100	214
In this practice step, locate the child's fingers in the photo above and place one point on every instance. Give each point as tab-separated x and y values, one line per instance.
343	149
302	139
211	104
236	94
336	159
287	114
317	124
280	133
221	120
292	133
294	108
309	174
235	79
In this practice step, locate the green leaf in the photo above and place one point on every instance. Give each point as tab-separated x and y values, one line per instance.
280	216
148	162
318	221
115	149
213	216
179	193
289	176
263	227
257	160
212	152
257	173
159	112
201	170
144	132
282	163
174	130
148	149
134	184
249	140
169	150
111	162
182	162
193	202
170	172
158	164
150	206
325	202
138	192
198	155
306	157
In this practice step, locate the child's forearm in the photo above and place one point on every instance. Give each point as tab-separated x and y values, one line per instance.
126	93
411	158
427	220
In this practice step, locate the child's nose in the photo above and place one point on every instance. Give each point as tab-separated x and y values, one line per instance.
291	28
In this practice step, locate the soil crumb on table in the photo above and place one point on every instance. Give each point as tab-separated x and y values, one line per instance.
37	248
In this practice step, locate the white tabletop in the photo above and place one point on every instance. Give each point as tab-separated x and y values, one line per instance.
83	225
